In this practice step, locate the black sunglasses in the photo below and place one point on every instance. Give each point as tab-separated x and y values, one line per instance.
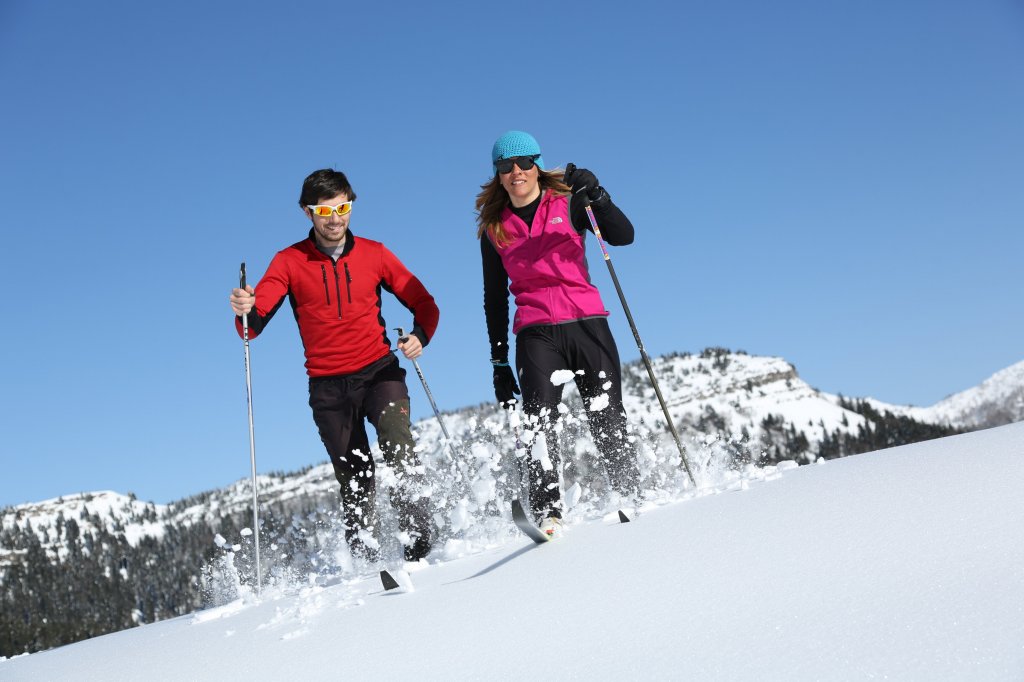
525	163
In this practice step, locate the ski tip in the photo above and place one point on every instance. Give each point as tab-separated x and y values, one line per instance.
388	581
527	526
623	518
397	582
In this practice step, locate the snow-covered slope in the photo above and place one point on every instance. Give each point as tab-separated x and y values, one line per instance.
902	564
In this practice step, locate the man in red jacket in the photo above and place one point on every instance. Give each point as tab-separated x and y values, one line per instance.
333	280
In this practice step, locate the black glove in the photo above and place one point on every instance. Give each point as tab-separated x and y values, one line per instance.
505	385
582	179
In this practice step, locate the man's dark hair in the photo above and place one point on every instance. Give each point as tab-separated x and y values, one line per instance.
325	183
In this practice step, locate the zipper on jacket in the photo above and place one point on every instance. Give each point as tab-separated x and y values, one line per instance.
337	287
327	291
348	283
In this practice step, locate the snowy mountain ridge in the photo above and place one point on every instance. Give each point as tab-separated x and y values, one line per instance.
996	401
739	390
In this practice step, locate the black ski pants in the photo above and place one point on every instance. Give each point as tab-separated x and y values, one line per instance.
585	345
340	405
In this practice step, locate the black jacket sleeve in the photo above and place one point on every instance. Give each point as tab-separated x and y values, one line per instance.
256	321
613	223
495	299
271	291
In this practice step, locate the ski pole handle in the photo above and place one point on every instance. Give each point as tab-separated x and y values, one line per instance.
245	317
569	168
402	337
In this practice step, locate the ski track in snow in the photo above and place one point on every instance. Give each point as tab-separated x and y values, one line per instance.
304	602
324	593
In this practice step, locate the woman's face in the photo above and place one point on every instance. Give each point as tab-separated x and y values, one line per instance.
522	186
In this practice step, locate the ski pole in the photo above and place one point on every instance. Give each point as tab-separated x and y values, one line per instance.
430	396
632	325
252	439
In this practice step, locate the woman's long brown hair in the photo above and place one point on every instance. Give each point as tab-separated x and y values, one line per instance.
493	199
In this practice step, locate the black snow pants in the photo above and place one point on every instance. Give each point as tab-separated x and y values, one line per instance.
585	345
379	394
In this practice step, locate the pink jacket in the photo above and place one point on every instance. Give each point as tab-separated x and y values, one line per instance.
546	263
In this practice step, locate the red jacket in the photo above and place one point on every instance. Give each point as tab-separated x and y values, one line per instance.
338	305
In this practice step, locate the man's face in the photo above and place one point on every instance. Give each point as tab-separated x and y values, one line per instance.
330	230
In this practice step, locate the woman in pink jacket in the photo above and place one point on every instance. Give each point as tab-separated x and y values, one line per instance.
532	244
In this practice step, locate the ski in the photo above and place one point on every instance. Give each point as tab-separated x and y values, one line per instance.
389	582
396	581
526	525
623	518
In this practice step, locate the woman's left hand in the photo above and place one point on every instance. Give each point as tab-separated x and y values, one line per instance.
582	179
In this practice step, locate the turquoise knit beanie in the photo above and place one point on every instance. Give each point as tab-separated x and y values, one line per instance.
515	143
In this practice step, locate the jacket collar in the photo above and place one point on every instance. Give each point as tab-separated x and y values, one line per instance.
350	242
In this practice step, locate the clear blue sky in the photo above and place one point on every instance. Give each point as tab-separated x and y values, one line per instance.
839	184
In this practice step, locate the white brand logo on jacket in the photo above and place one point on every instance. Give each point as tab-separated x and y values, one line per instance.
555	220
